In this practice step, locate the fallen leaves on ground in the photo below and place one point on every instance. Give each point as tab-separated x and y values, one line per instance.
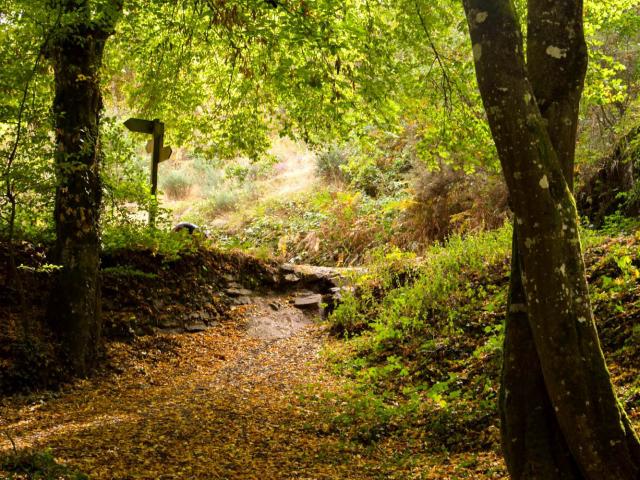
216	405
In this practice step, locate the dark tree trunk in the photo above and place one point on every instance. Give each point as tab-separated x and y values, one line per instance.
74	312
561	418
532	441
531	437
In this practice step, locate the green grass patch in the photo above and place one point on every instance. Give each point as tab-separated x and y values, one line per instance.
36	465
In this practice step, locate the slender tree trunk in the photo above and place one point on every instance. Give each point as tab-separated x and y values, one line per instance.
533	444
532	111
75	309
532	441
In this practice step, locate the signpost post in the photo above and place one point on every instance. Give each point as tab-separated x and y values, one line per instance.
159	153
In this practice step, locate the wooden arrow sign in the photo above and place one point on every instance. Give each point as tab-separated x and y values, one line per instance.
158	153
165	154
139	125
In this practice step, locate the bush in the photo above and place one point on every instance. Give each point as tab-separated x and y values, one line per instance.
169	244
219	202
237	172
429	354
348	225
37	465
366	176
450	201
618	223
208	175
176	185
331	163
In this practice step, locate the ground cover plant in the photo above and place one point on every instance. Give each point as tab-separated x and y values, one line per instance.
424	341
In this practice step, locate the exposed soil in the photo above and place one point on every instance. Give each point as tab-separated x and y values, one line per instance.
273	318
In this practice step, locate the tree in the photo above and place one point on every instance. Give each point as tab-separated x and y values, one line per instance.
560	415
76	52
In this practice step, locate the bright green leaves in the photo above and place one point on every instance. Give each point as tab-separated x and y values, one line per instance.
226	75
611	29
25	100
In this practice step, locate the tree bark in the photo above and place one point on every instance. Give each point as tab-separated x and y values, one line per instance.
75	309
532	112
532	441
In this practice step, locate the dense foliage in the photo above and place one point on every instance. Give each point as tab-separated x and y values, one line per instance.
392	86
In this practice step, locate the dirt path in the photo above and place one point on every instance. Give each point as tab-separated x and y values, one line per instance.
228	403
251	398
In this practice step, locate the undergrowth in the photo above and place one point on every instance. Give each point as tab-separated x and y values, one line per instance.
161	241
36	465
424	339
335	227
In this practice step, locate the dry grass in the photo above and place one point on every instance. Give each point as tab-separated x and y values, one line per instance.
450	201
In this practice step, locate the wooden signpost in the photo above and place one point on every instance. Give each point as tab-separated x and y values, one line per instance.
159	153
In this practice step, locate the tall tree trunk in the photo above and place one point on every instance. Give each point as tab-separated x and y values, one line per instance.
75	312
532	441
532	111
533	444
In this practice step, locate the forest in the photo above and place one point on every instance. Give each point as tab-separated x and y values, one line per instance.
320	239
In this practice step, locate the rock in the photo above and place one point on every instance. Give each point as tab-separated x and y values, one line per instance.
308	301
195	328
275	306
238	292
319	279
338	292
168	323
242	301
200	316
287	267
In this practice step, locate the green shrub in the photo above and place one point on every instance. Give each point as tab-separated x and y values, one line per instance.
237	172
429	352
176	185
330	163
366	176
218	202
411	292
619	224
207	174
350	318
37	465
170	245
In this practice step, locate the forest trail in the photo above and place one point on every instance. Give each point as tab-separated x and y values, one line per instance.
242	400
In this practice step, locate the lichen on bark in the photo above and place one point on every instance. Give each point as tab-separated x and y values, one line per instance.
579	429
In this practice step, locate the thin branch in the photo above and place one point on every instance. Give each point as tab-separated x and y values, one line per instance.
446	80
13	443
10	193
